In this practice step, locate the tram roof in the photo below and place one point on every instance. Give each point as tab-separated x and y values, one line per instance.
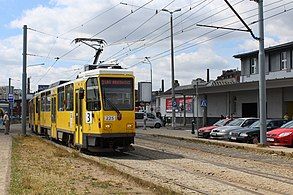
104	71
90	73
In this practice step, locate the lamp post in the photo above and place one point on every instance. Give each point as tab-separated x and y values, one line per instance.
151	72
172	67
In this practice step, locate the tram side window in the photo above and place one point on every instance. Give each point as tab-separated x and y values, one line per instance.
43	102
61	99
93	102
37	105
69	97
48	101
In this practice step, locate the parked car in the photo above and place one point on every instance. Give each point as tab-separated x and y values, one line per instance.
282	136
223	132
251	134
205	131
152	120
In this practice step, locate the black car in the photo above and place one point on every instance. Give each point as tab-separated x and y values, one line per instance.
251	134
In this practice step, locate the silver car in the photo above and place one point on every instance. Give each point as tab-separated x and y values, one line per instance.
223	132
152	120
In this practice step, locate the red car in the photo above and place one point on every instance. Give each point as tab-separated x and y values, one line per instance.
282	136
205	131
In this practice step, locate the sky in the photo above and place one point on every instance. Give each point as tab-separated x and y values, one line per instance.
133	30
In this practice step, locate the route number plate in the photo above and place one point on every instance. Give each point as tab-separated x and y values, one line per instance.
110	118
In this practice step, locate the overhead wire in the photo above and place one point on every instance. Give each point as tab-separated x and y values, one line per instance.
116	22
151	43
143	23
155	30
188	47
156	57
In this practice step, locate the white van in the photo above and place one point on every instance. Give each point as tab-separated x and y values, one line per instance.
152	120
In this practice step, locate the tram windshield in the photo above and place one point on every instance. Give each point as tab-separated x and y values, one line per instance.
117	93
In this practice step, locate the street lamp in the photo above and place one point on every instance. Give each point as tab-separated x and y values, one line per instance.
172	68
151	72
31	65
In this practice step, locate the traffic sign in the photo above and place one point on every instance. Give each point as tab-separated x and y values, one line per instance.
174	104
10	98
204	103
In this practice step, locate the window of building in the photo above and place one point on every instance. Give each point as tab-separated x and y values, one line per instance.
69	97
93	102
253	66
61	99
283	60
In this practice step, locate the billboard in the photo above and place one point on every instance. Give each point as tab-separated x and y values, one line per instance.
144	91
179	104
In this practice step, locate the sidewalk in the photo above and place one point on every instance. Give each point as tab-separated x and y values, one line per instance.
185	133
5	157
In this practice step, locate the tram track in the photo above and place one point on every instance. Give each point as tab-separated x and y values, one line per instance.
206	150
283	179
173	169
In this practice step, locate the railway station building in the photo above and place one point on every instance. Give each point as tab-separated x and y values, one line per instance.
236	94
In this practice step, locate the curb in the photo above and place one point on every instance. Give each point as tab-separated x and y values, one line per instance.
264	150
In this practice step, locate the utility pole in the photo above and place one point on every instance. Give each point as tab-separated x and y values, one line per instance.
9	92
151	72
261	62
172	68
262	77
23	94
197	97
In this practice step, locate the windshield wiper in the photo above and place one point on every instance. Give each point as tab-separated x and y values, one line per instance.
119	115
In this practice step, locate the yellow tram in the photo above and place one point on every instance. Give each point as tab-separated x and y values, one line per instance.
95	111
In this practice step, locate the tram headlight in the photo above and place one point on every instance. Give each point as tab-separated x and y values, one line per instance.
108	126
129	126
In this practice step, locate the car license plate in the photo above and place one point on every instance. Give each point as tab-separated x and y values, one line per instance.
270	139
233	138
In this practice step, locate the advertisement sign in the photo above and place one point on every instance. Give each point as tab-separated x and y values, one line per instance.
179	104
144	92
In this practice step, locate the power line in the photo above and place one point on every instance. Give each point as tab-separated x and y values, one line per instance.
146	21
91	19
151	43
116	22
58	58
160	27
156	57
188	47
179	32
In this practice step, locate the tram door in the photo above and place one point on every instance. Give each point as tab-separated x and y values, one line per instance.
53	132
79	95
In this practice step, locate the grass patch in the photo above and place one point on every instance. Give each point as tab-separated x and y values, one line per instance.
39	167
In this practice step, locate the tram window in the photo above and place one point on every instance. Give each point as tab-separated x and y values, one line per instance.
92	95
119	92
69	97
61	99
48	100
43	102
37	105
